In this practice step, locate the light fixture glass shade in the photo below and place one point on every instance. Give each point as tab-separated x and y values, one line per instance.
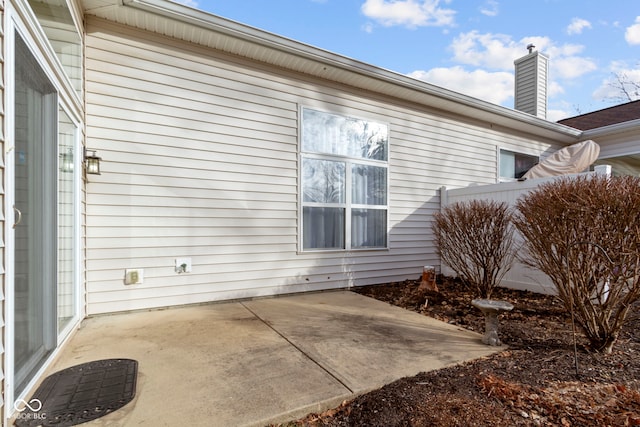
92	163
66	161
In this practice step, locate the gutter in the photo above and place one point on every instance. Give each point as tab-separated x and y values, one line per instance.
629	126
452	101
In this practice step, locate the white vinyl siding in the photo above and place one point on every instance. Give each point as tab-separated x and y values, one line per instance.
621	151
620	144
531	84
200	160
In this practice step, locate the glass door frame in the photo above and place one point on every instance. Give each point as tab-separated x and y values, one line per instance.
78	283
69	102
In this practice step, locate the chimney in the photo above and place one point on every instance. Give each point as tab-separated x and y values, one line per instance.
531	83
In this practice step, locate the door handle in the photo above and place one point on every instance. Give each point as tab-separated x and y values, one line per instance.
18	216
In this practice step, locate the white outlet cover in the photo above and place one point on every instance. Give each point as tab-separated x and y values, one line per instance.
128	279
183	261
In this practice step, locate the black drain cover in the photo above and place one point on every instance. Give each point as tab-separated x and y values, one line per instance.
79	394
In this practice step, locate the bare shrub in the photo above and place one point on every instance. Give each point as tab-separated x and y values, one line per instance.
584	233
475	239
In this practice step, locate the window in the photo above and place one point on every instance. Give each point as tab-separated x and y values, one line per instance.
513	165
344	175
57	22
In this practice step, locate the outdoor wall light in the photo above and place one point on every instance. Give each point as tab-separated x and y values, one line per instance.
66	161
92	162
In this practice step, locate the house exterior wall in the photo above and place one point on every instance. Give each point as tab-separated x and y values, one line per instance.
619	148
618	144
200	160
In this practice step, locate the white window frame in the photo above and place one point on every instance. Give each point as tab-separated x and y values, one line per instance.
499	151
347	205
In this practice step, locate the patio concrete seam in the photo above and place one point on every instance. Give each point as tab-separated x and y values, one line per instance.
307	355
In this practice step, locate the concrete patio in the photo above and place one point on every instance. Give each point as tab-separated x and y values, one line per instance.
250	363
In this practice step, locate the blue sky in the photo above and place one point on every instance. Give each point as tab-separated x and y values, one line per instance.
465	45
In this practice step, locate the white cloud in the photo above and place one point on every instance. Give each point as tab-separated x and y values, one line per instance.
498	51
578	25
563	109
561	50
492	56
490	8
632	34
409	13
367	28
571	67
610	87
554	89
616	66
495	87
555	115
495	51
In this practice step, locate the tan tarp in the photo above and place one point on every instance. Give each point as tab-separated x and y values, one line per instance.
575	158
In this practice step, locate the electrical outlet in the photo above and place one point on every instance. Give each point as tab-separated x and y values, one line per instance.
133	276
183	265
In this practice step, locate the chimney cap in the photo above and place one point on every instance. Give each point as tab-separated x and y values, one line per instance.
530	47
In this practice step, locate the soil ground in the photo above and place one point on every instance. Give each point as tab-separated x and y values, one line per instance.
533	382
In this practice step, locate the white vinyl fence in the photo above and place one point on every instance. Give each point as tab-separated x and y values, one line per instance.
520	276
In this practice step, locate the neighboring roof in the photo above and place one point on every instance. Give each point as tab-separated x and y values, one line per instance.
202	28
605	117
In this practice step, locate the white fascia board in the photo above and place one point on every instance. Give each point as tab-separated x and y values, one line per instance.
630	126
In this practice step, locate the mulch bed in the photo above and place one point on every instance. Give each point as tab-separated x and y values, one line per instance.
532	383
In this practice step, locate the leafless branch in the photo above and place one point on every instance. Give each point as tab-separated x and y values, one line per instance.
584	234
476	240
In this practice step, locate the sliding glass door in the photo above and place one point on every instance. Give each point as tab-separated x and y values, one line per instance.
35	216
